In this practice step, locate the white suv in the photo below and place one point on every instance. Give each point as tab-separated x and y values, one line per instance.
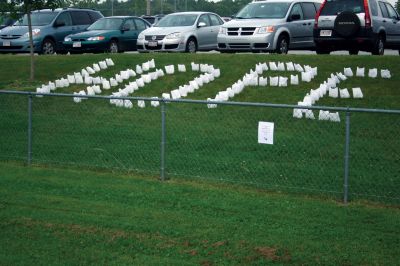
367	25
272	25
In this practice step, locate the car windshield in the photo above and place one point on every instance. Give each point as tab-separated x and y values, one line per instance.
334	7
37	18
107	24
264	10
177	20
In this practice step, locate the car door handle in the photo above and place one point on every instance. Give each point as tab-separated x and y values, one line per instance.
384	21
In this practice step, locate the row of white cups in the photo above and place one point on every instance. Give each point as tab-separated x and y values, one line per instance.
330	88
254	78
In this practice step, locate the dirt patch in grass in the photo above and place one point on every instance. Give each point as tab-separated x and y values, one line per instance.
274	254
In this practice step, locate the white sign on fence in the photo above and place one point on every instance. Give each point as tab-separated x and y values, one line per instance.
266	133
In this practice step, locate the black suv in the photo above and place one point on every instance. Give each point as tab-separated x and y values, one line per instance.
354	25
49	27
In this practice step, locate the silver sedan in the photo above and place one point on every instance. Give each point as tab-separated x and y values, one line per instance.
182	32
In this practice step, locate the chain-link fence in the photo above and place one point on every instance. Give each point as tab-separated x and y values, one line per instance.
356	158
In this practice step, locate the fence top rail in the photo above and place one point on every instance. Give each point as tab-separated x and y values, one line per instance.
248	104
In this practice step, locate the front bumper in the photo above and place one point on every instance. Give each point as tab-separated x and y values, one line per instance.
18	45
165	45
255	42
87	46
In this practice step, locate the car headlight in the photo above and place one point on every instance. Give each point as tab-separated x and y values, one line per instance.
35	32
141	36
222	30
266	29
175	35
67	39
96	38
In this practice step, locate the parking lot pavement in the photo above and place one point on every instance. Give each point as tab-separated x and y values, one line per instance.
387	52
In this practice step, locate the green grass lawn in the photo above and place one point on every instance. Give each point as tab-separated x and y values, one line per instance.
69	217
217	144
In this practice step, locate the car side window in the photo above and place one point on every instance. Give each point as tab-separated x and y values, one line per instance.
140	25
392	12
309	10
204	18
94	16
129	25
383	10
374	7
64	18
317	6
297	10
215	21
80	18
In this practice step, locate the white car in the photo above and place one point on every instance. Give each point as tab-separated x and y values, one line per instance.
270	26
182	32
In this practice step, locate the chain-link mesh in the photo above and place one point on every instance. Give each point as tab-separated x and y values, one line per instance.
222	143
375	156
95	133
307	156
13	127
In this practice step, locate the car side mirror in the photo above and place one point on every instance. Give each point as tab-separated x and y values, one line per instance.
295	17
201	24
59	24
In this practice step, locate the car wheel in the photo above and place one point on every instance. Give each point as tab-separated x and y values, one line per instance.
379	46
353	51
48	47
113	47
191	45
282	45
321	50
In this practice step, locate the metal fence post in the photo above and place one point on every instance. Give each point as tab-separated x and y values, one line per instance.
163	140
29	129
346	159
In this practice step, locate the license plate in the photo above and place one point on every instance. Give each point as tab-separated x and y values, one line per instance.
77	44
325	33
153	44
6	43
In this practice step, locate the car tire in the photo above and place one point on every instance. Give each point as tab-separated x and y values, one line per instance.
48	47
282	45
113	47
191	45
321	50
379	46
353	51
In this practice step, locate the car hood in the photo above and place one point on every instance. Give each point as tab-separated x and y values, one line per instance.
91	33
166	30
252	22
15	30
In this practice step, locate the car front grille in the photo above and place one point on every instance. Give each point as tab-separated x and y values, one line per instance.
10	37
245	31
156	37
79	40
239	45
158	47
10	47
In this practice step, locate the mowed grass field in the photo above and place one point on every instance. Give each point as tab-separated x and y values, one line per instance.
217	144
53	216
93	196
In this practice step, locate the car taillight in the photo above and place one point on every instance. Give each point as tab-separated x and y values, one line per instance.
318	14
367	15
